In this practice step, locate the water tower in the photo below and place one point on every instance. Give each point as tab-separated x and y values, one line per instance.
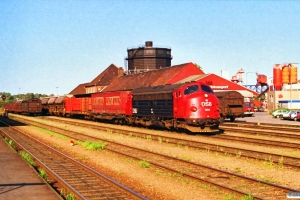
147	57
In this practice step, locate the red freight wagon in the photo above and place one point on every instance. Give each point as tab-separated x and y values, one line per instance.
110	105
17	107
86	105
78	106
13	107
73	105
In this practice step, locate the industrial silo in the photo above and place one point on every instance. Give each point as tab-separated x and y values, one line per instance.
277	77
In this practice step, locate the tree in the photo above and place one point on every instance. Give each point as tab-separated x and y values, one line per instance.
11	98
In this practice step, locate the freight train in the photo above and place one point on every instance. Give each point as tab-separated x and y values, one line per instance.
190	106
31	106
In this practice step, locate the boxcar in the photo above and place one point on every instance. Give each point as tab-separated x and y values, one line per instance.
73	106
32	106
13	107
80	107
231	104
112	105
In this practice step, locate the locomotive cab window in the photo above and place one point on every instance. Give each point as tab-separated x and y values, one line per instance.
191	89
207	89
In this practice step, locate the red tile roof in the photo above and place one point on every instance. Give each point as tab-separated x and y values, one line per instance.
150	78
80	89
106	77
103	79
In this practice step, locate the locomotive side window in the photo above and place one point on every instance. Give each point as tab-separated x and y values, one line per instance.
191	89
207	89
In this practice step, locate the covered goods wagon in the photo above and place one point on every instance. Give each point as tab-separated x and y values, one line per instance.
231	104
112	105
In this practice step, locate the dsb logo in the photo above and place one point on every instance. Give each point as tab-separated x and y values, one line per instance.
207	103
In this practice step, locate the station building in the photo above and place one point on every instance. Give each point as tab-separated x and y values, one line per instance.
150	65
114	78
287	97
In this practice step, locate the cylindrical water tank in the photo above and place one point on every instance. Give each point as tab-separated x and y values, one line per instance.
285	75
277	78
294	74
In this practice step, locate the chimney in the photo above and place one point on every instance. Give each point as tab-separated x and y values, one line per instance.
149	44
120	71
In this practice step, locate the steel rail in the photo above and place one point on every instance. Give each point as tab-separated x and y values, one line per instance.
237	175
81	165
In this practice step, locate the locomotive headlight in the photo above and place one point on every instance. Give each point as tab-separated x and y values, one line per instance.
193	108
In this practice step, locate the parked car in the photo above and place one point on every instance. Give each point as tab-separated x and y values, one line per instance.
286	114
298	117
294	115
278	113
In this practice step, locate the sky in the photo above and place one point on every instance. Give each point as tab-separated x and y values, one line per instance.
52	46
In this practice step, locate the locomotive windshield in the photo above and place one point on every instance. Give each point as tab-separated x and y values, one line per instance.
191	89
248	104
207	89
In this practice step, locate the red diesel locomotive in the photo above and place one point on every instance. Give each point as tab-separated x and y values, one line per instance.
191	106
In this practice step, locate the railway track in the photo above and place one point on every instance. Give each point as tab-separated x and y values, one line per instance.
273	130
236	183
245	139
71	176
271	126
280	159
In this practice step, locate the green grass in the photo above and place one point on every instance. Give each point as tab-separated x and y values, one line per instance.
93	145
66	196
144	164
229	197
43	174
70	197
10	142
248	197
27	157
51	133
